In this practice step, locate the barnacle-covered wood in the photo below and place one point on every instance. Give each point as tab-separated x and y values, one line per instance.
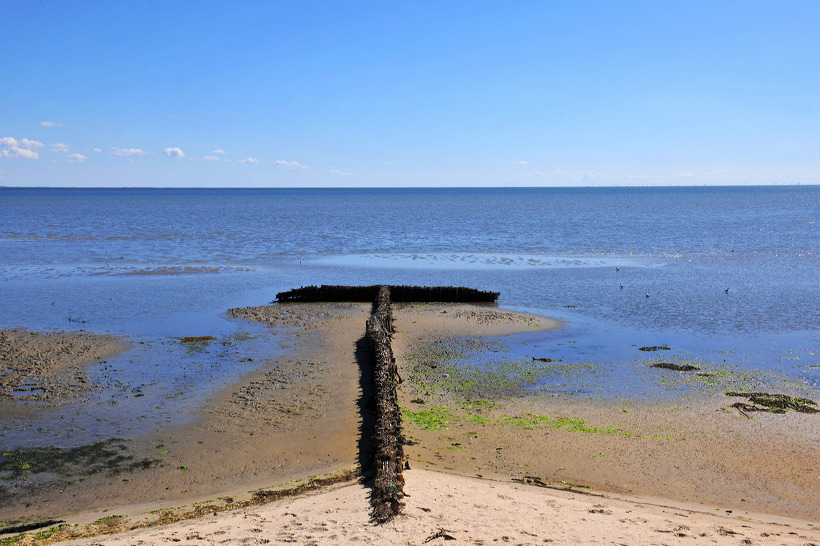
401	293
388	487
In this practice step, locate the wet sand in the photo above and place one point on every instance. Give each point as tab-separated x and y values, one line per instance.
300	416
48	367
691	449
294	417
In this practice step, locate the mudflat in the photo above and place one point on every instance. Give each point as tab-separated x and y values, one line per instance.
301	415
48	367
694	449
292	418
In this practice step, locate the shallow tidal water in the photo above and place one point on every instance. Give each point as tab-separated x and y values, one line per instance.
726	277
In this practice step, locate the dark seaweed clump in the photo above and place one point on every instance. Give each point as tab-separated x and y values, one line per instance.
675	367
104	456
197	339
654	348
774	403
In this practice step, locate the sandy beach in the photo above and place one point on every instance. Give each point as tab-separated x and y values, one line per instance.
442	508
487	463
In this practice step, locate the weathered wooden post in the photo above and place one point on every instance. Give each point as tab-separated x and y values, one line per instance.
388	440
388	485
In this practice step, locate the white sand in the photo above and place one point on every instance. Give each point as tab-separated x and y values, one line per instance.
470	511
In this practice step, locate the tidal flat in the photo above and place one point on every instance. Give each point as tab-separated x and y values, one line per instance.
477	401
487	406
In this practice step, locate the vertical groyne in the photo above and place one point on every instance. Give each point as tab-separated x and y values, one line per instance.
388	439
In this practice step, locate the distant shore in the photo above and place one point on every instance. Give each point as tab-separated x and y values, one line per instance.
300	415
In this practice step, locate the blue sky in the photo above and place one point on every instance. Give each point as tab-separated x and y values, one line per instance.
308	93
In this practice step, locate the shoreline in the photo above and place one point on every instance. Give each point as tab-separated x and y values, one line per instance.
292	399
442	507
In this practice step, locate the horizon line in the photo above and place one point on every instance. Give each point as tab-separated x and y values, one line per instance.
404	187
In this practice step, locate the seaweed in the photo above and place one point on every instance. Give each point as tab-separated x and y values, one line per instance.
675	367
773	403
197	339
103	456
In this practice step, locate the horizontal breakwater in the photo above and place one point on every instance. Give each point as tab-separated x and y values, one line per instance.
398	293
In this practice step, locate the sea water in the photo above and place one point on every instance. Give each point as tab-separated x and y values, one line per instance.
720	274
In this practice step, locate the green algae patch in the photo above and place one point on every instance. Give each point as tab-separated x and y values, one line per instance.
474	370
569	424
680	372
579	425
478	419
436	418
45	534
687	372
237	337
440	417
527	421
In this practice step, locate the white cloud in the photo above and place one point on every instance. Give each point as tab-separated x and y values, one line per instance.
210	158
50	124
76	158
249	160
19	148
12	142
340	173
30	144
218	151
521	162
126	152
174	152
96	150
58	147
15	151
290	164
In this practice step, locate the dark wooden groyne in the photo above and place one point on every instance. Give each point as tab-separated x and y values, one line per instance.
334	293
388	440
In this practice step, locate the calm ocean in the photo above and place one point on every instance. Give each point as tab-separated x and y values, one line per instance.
720	273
